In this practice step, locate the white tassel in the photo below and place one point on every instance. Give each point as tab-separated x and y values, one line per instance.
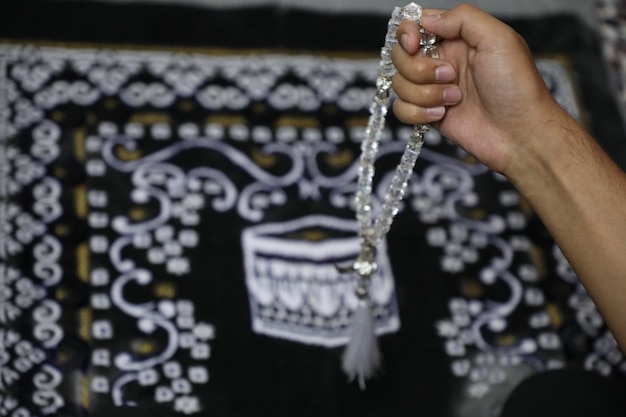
361	359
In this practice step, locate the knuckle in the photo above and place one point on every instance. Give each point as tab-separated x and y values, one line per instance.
424	94
421	68
407	112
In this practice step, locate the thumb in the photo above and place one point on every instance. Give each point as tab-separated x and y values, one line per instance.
465	22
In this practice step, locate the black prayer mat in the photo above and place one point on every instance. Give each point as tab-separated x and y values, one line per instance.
176	189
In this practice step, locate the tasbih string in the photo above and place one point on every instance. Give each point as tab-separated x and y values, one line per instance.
361	359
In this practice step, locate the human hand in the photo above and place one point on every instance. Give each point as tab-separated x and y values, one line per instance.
484	92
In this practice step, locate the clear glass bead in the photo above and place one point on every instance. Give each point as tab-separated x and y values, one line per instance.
427	39
387	69
408	159
383	83
366	172
363	213
385	54
372	232
365	268
395	194
396	16
378	110
412	12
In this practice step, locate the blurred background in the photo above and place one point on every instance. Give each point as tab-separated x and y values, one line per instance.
584	8
176	188
604	17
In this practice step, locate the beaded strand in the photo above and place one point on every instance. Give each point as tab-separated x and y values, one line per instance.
361	358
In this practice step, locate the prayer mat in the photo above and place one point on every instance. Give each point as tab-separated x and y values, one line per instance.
176	189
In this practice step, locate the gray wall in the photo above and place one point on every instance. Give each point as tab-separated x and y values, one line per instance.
501	8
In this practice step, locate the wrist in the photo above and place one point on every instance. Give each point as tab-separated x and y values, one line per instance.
545	152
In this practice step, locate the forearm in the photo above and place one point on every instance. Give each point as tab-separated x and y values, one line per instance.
580	195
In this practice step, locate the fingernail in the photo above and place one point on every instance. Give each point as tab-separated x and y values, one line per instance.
404	41
452	95
444	73
430	17
436	111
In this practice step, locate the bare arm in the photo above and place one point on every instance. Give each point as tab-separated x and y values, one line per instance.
580	195
486	95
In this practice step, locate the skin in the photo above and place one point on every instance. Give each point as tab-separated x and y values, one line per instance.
485	94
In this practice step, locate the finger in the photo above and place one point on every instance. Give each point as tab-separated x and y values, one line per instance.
408	33
426	95
428	12
412	114
465	22
422	69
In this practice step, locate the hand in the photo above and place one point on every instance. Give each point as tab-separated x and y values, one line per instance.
484	92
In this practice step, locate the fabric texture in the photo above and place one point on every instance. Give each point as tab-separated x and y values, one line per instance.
175	192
